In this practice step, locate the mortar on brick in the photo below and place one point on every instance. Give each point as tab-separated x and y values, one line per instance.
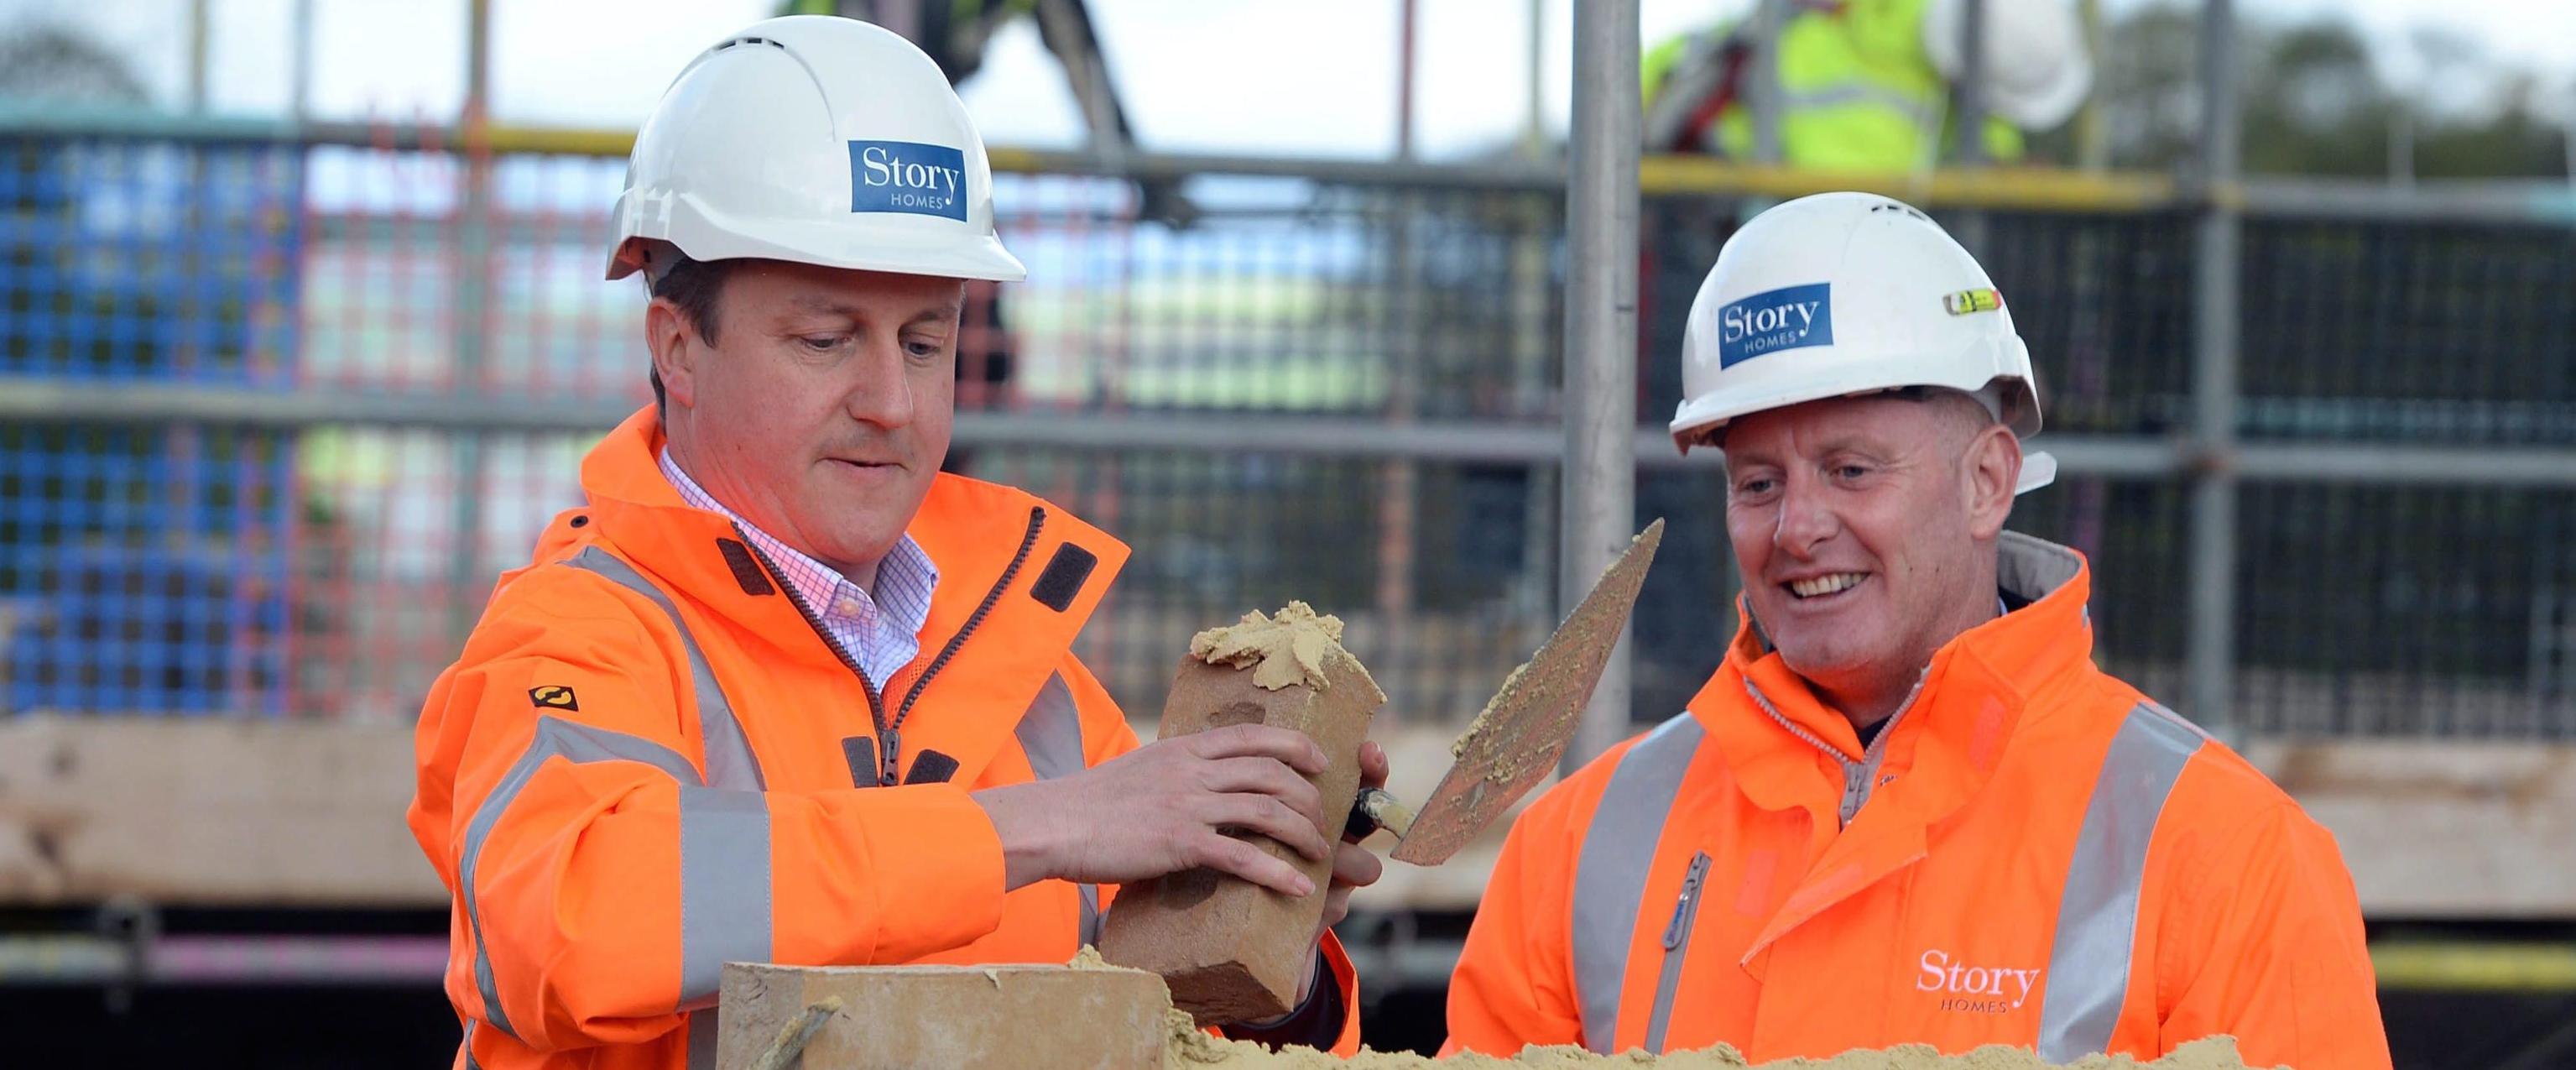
1292	649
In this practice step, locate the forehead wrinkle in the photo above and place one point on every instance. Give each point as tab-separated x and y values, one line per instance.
949	311
811	302
943	311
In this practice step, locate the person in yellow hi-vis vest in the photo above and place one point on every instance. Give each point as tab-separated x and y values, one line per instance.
1865	84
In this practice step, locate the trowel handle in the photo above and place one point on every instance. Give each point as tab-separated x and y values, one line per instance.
1377	809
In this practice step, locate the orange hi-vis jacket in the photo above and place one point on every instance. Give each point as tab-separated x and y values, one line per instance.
2031	853
649	762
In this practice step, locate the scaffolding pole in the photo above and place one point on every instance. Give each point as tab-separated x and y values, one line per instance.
472	274
1601	336
2210	653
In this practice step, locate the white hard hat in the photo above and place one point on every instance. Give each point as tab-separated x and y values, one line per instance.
2037	70
1844	294
818	140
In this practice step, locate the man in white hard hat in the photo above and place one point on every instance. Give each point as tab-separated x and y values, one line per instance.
781	692
1907	808
1865	85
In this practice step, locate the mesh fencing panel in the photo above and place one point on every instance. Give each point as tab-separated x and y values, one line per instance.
330	569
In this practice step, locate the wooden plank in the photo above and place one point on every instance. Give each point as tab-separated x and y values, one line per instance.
969	1018
2432	829
286	813
2439	830
211	812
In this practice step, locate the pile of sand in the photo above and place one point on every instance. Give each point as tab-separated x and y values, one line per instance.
1185	1047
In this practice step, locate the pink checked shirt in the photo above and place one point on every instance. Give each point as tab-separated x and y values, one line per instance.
881	632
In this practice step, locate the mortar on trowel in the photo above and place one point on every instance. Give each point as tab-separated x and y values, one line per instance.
1233	951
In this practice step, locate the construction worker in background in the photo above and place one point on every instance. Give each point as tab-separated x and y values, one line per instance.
1907	808
1865	84
782	692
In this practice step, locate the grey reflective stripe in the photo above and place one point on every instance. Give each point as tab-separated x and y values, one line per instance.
1088	935
1051	731
555	737
468	1045
703	1031
1610	876
1052	739
1051	735
2097	913
729	760
1859	91
724	887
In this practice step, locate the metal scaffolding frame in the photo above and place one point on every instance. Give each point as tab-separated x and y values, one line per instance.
1599	447
1598	450
1599	462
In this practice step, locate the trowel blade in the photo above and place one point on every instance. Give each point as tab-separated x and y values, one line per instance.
1515	744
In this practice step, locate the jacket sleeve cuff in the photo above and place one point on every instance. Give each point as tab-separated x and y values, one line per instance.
1330	1016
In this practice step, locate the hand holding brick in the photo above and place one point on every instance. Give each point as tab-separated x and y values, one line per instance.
1234	951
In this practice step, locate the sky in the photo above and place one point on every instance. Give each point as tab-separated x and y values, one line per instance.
1322	80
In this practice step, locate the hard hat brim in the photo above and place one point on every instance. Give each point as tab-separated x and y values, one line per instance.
704	234
1701	415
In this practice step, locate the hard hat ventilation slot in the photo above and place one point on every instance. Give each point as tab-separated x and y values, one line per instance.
751	41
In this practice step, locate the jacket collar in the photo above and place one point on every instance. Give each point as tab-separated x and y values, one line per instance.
964	524
1968	703
1929	762
1024	573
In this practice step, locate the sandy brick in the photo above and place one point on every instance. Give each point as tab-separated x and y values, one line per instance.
1231	950
966	1017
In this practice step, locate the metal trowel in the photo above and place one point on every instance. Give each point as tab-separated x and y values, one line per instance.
1516	742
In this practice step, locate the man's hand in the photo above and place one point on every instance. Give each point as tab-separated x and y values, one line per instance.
1353	865
1165	807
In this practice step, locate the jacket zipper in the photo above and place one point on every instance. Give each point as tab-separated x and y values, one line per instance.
1028	543
890	729
1856	774
876	707
1677	936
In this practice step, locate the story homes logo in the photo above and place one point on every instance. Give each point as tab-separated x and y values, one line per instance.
1787	318
1977	989
906	176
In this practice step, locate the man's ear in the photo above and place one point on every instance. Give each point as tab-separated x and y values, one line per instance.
676	350
1991	469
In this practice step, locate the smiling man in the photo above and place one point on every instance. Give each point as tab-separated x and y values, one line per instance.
1907	808
782	692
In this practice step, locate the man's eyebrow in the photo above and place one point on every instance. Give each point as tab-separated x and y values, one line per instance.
826	305
1855	442
1738	458
944	311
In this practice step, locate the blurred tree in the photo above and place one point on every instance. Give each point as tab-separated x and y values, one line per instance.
44	62
2319	101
